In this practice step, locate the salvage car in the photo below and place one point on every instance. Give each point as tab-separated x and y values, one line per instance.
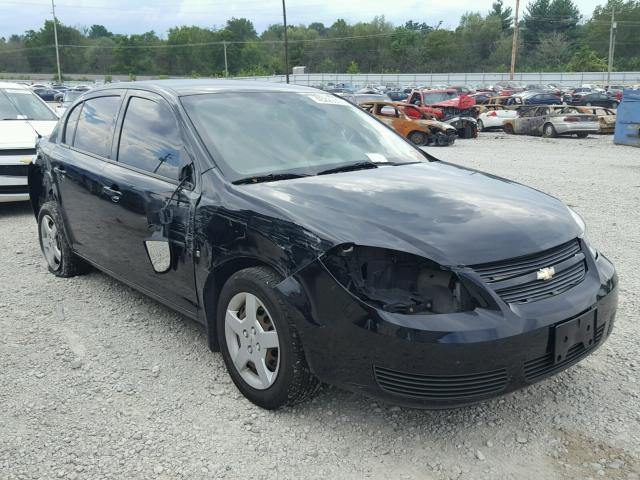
317	245
24	117
551	122
421	132
606	117
493	116
449	107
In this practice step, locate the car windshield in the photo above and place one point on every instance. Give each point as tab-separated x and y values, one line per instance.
70	96
265	133
437	97
22	104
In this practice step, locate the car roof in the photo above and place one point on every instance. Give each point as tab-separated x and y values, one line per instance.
182	87
12	85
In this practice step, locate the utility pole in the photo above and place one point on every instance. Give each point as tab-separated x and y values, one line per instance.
226	66
514	46
612	46
286	42
55	36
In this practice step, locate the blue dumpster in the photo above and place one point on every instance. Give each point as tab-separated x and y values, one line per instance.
627	130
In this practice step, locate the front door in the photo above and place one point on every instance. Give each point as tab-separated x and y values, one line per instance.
142	202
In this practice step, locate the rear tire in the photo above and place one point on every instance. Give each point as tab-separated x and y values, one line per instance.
549	131
588	104
508	128
288	379
582	135
61	261
480	126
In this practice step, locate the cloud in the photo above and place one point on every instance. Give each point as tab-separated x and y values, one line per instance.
126	16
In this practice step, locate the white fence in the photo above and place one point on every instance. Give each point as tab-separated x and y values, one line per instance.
564	78
418	79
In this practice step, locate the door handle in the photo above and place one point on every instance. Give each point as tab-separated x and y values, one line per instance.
112	193
59	170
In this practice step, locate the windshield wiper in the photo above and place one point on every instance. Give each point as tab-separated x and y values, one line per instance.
272	177
349	168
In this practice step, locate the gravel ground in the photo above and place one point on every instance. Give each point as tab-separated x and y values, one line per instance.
99	382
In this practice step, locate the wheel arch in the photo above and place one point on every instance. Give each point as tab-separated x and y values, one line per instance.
40	187
212	287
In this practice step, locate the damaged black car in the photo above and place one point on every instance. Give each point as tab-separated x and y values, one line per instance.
317	245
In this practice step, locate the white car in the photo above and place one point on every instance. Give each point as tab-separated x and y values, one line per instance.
493	118
24	117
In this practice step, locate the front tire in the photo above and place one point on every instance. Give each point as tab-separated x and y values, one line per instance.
61	261
418	138
260	345
508	129
582	135
480	126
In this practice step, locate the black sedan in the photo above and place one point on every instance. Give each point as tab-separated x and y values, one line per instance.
316	244
594	99
46	94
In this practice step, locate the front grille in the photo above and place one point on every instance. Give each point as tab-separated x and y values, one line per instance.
441	387
17	152
527	288
545	365
14	170
13	189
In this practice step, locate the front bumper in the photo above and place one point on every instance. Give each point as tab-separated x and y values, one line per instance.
13	188
14	169
441	361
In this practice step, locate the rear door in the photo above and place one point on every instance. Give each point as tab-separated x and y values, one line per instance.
141	200
76	164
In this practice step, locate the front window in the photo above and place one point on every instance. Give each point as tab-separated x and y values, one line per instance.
436	97
22	104
265	133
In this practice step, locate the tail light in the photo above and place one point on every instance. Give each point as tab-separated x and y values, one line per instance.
492	114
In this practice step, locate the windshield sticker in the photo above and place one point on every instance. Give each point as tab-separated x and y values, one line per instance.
23	92
326	99
377	158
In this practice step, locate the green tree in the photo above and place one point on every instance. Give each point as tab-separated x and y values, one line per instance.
503	14
586	60
353	67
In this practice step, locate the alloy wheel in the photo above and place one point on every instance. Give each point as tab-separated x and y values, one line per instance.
50	242
252	340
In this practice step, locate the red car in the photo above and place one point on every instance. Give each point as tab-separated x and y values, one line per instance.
435	102
448	106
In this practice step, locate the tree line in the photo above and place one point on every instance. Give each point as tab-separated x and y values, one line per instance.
554	36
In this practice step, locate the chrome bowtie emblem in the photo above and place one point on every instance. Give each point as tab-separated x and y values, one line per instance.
546	273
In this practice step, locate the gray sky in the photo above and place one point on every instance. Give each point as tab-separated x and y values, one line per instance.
137	16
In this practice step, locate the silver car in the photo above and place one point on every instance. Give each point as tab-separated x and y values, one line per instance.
550	121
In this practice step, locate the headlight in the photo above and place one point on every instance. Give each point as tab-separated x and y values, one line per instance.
578	219
396	281
581	225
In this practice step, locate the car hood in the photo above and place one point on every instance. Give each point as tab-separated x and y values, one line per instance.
23	133
450	214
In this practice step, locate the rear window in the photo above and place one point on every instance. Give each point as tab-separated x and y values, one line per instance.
96	125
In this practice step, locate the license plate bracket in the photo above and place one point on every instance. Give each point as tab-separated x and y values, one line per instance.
573	332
